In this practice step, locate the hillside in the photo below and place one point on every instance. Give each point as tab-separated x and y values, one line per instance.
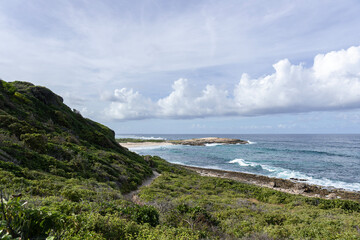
40	133
64	177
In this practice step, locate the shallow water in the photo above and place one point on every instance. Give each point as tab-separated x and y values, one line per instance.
328	160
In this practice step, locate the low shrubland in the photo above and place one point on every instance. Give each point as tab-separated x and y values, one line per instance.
63	176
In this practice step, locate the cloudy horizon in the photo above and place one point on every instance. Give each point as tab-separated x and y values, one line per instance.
192	67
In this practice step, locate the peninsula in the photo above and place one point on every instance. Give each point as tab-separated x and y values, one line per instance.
133	143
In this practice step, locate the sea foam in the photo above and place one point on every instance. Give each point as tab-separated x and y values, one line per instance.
283	173
213	144
244	163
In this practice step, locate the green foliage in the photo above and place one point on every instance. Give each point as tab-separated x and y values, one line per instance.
21	97
34	141
40	133
8	87
26	223
222	208
142	214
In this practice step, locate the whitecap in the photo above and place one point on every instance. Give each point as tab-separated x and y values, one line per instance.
140	137
283	173
243	163
213	144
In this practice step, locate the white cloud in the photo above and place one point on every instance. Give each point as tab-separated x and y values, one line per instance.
332	83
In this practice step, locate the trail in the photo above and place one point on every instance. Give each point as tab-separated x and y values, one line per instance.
132	196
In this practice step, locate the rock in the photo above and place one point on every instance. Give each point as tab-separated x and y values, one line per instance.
300	186
298	179
331	196
272	184
299	191
46	96
209	140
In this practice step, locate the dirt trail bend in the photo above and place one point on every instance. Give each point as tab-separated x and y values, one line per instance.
132	196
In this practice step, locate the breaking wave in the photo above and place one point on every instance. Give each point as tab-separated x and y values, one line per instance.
213	144
140	137
283	173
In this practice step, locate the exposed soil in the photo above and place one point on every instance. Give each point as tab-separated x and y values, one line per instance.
132	196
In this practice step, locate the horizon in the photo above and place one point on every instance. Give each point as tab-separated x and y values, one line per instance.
273	67
206	134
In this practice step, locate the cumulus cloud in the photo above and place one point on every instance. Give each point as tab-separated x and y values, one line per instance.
332	83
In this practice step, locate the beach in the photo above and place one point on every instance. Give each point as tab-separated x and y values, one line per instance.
144	144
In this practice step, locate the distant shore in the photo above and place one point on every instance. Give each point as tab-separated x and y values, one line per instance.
135	143
144	144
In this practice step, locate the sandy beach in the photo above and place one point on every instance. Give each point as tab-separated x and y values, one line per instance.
144	144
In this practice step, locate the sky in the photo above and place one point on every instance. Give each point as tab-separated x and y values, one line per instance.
166	66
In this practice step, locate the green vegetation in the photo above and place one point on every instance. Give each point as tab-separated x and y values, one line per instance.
219	208
41	136
136	140
64	177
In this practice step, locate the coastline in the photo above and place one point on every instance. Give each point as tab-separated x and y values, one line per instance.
284	185
144	144
298	187
190	142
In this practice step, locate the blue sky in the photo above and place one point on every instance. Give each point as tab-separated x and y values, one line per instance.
192	66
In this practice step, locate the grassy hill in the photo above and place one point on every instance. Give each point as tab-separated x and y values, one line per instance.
64	177
41	136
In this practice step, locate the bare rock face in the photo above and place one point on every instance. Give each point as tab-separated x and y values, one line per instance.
46	96
331	196
209	140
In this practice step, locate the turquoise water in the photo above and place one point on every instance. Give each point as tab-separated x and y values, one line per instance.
327	160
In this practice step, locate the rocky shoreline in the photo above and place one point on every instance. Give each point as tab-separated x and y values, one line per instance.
284	185
190	142
208	140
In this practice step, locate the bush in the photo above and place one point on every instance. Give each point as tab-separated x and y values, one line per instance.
142	214
35	141
26	223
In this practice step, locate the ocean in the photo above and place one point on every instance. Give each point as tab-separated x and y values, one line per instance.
322	159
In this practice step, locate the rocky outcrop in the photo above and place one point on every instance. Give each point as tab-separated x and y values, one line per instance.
209	140
284	185
46	96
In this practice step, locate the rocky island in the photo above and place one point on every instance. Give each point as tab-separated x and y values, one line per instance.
208	140
133	143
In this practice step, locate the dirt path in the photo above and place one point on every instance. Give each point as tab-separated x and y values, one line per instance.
132	196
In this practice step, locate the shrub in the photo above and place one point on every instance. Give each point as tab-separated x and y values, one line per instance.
26	223
142	214
35	141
